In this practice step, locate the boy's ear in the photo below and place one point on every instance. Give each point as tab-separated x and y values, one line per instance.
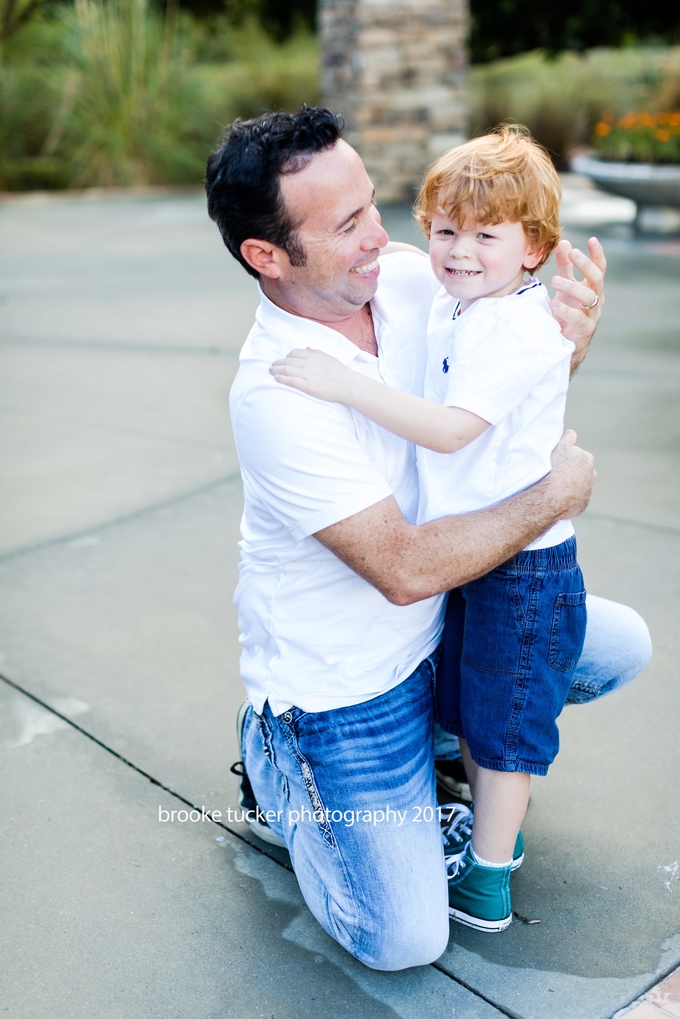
532	258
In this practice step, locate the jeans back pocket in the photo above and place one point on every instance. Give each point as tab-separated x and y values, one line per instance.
568	631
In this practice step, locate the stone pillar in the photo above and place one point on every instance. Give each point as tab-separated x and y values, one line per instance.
396	71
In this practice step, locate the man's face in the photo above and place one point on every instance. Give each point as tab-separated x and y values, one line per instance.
339	231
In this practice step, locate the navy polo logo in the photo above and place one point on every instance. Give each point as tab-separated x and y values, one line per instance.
445	365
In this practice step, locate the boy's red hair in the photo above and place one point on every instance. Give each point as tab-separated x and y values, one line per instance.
504	175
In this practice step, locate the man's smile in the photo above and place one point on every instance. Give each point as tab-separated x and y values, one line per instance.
364	270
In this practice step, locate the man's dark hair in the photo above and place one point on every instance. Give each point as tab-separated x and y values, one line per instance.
242	177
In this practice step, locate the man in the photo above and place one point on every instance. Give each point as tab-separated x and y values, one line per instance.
340	596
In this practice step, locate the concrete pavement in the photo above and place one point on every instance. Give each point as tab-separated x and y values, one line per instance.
120	324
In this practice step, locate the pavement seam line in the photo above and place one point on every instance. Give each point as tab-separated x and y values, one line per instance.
125	518
630	373
220	824
121	347
640	1000
658	528
130	764
107	426
489	1001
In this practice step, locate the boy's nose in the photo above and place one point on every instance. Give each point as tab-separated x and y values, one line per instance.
459	247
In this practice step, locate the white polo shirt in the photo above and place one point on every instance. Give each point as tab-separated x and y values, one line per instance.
314	633
505	360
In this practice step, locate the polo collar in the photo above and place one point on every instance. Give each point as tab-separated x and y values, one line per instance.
284	332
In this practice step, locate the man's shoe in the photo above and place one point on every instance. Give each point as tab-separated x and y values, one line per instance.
456	821
247	801
452	779
479	896
457	831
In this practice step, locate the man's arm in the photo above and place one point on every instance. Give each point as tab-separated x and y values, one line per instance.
573	305
408	563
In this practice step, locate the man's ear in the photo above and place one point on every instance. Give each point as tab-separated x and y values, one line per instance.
264	257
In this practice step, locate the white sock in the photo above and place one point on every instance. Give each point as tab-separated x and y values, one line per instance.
487	863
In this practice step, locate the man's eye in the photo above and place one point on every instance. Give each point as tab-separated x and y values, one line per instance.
351	227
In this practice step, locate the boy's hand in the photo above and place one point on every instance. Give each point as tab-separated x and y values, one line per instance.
315	373
572	476
577	306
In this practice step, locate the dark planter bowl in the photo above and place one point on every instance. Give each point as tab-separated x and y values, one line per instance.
655	189
645	183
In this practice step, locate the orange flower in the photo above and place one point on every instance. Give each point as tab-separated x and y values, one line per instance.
663	135
602	129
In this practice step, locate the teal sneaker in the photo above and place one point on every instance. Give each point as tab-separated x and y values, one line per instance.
457	831
479	896
518	852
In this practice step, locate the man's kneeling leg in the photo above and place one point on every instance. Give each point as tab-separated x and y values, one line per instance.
617	648
354	796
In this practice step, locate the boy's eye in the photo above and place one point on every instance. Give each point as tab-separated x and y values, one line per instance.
485	237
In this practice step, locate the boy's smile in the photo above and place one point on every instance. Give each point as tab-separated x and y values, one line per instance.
479	260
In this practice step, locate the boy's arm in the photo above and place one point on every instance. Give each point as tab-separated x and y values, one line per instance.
441	429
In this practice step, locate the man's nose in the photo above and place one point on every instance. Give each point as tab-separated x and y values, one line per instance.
376	235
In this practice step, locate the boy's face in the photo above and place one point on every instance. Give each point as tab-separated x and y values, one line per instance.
476	260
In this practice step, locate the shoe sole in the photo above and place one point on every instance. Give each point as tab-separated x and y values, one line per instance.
265	834
261	831
477	924
459	789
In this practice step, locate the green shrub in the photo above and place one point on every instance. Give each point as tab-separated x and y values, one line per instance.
109	93
134	112
560	100
261	75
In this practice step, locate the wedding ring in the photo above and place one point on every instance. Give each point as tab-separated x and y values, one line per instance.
591	306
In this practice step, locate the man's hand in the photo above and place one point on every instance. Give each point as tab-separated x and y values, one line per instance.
573	306
572	476
315	373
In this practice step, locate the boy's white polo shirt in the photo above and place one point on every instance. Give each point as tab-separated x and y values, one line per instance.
506	360
314	633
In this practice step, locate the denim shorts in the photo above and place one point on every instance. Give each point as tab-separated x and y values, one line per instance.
511	643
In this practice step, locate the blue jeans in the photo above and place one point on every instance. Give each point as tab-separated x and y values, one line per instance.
511	642
352	794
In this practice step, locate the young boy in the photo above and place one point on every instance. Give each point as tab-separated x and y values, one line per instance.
495	390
